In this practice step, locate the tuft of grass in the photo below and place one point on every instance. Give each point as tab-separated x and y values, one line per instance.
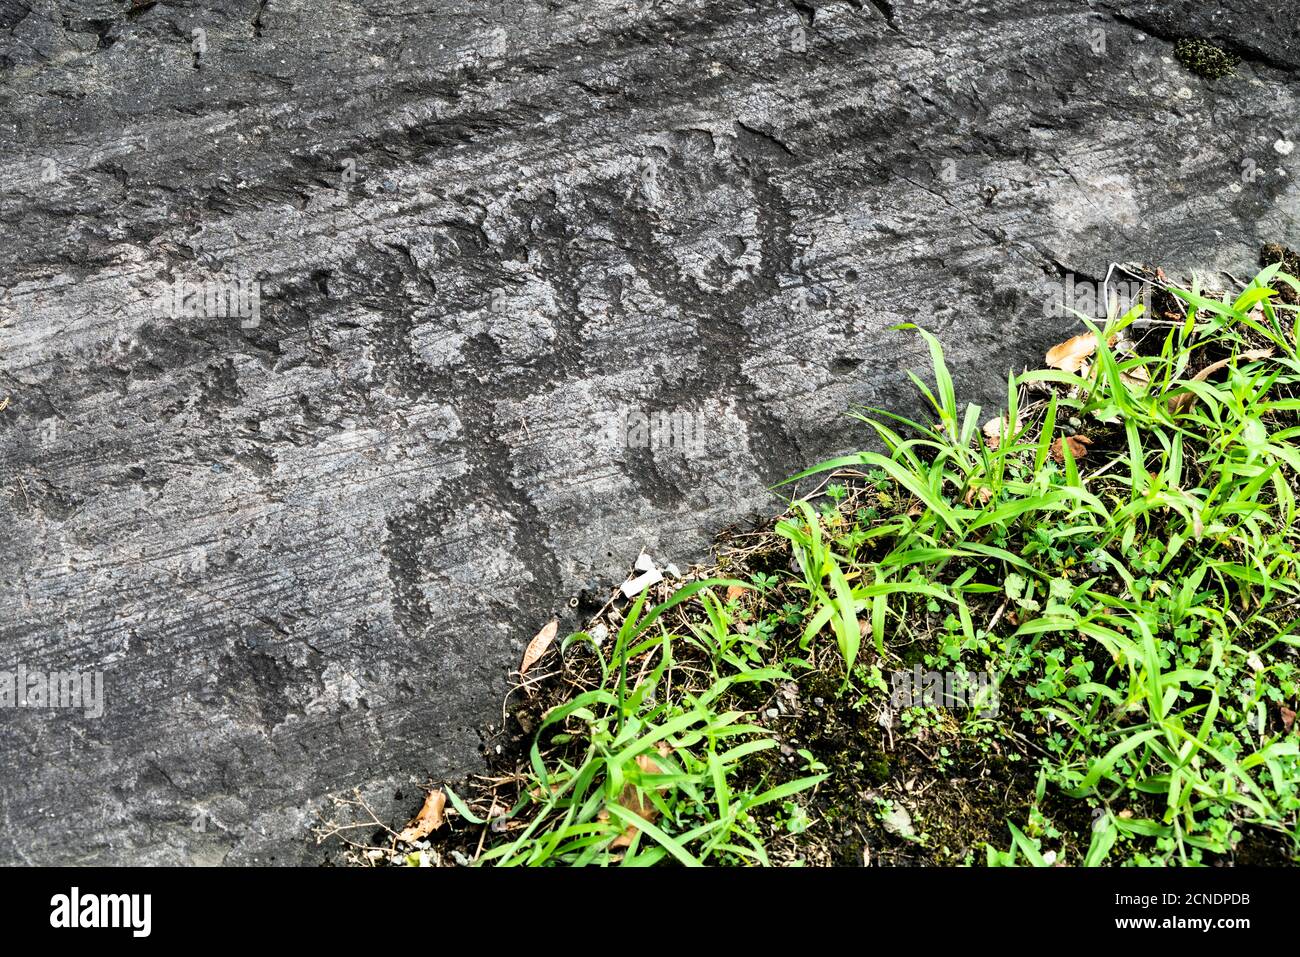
633	753
1289	261
1117	547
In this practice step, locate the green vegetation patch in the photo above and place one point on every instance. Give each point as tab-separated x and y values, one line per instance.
1289	260
1205	59
1063	633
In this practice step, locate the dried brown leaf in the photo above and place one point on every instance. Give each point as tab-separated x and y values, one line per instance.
1288	717
1138	378
428	820
1078	445
1072	354
993	430
635	801
537	647
1181	403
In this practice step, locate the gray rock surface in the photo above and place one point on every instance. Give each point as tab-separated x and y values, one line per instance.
305	547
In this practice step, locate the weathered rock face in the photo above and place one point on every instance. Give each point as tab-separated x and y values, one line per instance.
514	289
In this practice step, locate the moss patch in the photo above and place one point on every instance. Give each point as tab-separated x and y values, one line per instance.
1205	59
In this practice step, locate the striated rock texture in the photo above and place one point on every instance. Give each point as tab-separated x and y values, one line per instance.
513	289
